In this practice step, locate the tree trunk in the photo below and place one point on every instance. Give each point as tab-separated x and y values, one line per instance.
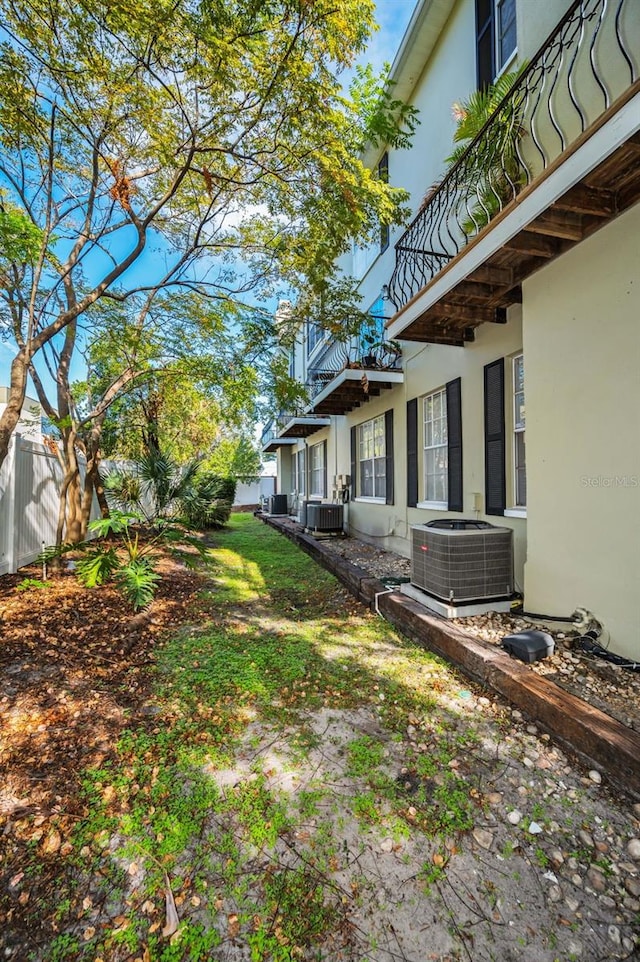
17	390
70	513
92	479
100	493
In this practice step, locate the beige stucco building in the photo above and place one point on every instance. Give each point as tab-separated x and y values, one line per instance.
511	390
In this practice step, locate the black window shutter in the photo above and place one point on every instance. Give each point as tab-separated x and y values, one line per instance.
354	461
324	464
412	452
388	450
485	54
454	434
494	438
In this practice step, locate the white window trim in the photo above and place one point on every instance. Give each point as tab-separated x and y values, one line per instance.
496	41
319	343
519	509
428	503
375	499
313	471
433	505
509	63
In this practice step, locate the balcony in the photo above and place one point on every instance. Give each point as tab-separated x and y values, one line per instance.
288	428
272	438
351	373
558	159
303	426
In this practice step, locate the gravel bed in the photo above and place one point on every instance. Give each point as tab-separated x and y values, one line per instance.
612	689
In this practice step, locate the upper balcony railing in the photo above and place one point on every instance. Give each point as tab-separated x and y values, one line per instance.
586	64
359	351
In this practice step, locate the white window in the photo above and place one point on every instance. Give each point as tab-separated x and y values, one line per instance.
298	472
519	461
317	471
315	335
435	447
302	474
372	462
383	175
506	35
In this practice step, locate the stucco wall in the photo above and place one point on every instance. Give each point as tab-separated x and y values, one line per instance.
428	368
535	20
447	77
582	355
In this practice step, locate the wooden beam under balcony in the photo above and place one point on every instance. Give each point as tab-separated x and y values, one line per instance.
564	224
527	242
492	274
597	202
352	387
304	426
465	315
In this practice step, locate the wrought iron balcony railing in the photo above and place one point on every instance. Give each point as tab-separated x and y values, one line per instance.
354	353
590	60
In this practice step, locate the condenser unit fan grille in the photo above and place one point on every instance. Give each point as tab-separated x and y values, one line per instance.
325	517
470	561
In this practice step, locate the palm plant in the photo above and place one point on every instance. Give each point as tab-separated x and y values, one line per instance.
491	173
155	486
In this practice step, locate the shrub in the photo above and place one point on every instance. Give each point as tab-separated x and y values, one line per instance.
209	505
131	563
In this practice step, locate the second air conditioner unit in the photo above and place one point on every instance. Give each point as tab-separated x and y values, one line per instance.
278	504
325	517
462	560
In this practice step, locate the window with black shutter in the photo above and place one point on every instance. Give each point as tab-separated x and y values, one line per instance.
485	31
496	38
494	438
412	452
454	444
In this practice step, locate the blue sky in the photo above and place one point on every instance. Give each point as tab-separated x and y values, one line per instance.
393	17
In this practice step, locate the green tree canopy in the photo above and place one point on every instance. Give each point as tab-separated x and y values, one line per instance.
174	138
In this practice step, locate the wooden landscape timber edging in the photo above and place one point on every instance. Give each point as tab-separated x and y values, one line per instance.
597	738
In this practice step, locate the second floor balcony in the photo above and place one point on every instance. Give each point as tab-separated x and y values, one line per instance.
288	428
558	158
347	373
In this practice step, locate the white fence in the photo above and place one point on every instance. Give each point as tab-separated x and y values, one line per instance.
30	482
249	493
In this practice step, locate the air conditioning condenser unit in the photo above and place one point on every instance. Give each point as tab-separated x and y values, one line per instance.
462	560
325	517
278	504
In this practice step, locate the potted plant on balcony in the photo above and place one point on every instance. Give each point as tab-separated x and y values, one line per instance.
491	174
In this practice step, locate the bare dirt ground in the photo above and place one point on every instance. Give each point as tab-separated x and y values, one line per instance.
365	801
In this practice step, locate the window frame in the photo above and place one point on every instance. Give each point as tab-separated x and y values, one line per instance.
383	175
315	337
377	461
491	59
317	470
427	500
298	472
519	429
501	63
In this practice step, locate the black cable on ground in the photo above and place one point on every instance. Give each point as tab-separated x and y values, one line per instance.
589	643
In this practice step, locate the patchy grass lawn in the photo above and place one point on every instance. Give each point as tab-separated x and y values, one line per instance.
293	781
